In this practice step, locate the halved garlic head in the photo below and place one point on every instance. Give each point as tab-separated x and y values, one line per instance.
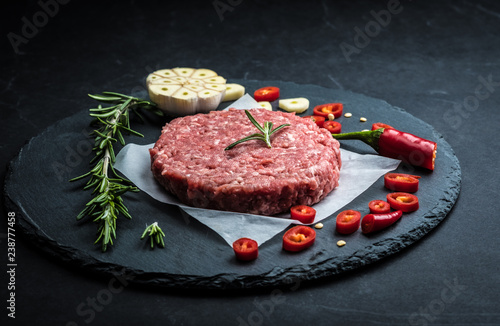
185	91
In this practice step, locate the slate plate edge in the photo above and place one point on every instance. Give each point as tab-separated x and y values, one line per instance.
275	277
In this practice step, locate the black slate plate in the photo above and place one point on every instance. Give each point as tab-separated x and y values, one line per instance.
195	256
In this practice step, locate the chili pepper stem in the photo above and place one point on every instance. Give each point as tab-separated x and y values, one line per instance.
370	137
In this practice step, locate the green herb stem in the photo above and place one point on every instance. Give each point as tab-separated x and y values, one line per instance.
108	187
265	135
370	137
155	234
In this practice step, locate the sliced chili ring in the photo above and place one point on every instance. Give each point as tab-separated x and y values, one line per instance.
299	238
325	109
376	222
319	120
246	249
378	125
403	201
303	213
333	127
269	94
348	221
378	206
401	182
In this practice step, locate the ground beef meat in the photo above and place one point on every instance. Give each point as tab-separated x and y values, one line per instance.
301	168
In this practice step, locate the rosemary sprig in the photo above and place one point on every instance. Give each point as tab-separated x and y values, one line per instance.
108	187
155	234
265	135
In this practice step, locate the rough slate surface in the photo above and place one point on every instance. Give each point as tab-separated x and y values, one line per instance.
195	256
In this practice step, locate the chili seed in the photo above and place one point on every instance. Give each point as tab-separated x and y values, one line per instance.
318	226
341	243
348	115
362	119
331	116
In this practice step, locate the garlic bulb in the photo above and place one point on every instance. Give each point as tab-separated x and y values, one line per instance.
185	91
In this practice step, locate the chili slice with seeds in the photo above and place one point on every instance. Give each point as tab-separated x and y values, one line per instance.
246	249
325	109
403	201
298	238
269	94
348	221
303	213
333	127
401	182
378	206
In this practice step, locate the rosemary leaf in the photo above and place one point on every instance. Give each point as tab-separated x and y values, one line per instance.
104	98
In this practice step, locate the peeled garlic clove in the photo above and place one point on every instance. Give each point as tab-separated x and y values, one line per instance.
216	87
179	80
266	105
194	87
203	73
183	72
153	78
163	81
233	92
164	73
298	105
214	80
165	90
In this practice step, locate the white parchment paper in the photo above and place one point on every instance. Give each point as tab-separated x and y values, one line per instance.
357	174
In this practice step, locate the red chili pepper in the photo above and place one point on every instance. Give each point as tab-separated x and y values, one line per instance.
403	201
269	94
378	125
303	213
376	222
325	109
333	126
397	144
319	120
401	182
379	207
298	238
246	249
348	221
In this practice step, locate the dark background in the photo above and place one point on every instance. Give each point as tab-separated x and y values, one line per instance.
429	58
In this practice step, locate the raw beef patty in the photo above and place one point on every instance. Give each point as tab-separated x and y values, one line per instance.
301	168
